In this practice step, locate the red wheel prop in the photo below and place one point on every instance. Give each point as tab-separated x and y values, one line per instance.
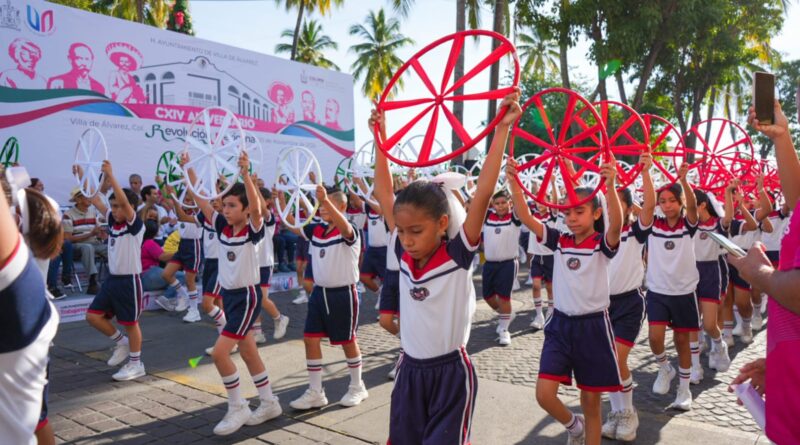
553	133
430	114
666	148
725	154
771	180
627	137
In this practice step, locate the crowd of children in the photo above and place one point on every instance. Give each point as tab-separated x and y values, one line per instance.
607	265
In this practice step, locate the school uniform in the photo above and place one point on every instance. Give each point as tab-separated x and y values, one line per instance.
121	293
578	337
266	251
744	239
357	217
626	274
772	240
374	264
210	283
707	253
672	275
28	323
435	386
390	288
189	255
238	275
333	303
500	240
542	260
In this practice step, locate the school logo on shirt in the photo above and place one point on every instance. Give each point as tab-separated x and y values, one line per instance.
210	236
497	230
669	245
374	222
420	293
322	253
231	256
111	242
183	225
703	235
574	264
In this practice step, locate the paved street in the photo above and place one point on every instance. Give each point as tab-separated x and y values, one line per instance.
177	404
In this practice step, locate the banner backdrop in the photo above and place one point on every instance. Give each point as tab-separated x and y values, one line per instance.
63	70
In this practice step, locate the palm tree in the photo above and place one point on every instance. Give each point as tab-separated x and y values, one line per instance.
310	46
540	56
321	6
151	12
377	59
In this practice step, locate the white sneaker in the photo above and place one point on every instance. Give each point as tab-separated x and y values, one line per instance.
628	424
233	420
504	338
182	305
665	376
737	330
165	303
269	409
757	321
763	303
683	401
538	322
302	298
722	360
129	372
355	395
696	375
577	440
119	355
747	335
610	427
510	320
360	288
210	349
258	336
728	340
192	315
310	399
529	281
280	327
392	374
713	359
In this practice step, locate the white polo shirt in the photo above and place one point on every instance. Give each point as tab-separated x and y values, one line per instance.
210	241
705	248
671	268
125	246
334	259
501	236
238	259
266	248
626	270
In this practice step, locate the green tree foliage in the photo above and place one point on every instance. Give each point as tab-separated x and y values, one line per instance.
311	45
306	6
179	19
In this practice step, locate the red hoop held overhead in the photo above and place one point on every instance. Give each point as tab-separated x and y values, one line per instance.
666	146
574	149
439	94
628	137
726	155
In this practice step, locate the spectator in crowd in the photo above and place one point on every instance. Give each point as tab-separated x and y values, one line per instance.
153	256
150	199
83	230
65	256
37	185
285	249
135	182
781	368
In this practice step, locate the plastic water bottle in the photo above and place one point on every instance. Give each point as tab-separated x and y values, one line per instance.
752	401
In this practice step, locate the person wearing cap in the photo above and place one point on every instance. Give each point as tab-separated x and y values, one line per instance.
83	230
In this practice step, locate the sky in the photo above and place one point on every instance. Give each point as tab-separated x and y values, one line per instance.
257	24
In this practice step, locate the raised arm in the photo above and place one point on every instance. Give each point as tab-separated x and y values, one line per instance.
119	194
289	219
614	229
383	185
253	195
691	200
750	223
764	203
520	205
648	211
729	209
205	206
9	233
487	179
785	155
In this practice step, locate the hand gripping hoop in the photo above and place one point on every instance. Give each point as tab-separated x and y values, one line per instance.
90	153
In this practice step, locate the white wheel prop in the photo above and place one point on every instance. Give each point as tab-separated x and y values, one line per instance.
90	153
475	171
213	149
295	165
409	152
254	152
363	167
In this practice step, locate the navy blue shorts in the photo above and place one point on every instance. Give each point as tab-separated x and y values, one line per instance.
266	274
737	281
308	273
774	256
524	238
627	314
433	400
188	255
390	293
120	296
498	278
333	313
583	346
242	306
374	264
211	287
709	288
724	273
542	267
676	311
301	249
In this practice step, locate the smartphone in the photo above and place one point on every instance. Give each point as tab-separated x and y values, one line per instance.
764	97
727	244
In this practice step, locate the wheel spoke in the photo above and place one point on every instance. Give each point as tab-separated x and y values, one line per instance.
586	165
545	182
537	101
623	129
200	145
519	132
582	123
568	182
457	126
535	161
493	57
207	125
485	95
741	141
398	104
305	201
84	149
427	143
663	136
455	51
583	135
580	149
568	114
719	135
392	141
423	76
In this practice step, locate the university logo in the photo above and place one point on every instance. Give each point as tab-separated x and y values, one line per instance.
9	16
420	293
322	253
41	23
231	256
669	245
573	264
703	235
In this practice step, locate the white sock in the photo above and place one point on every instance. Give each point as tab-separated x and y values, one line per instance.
354	365
662	361
616	401
504	320
537	303
715	343
745	323
234	390
135	357
684	375
119	338
193	297
314	374
549	304
256	327
695	348
626	395
278	318
727	328
179	289
757	307
736	315
574	426
218	315
263	386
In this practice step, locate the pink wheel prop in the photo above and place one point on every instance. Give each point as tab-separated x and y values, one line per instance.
628	137
666	148
725	154
431	113
566	148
